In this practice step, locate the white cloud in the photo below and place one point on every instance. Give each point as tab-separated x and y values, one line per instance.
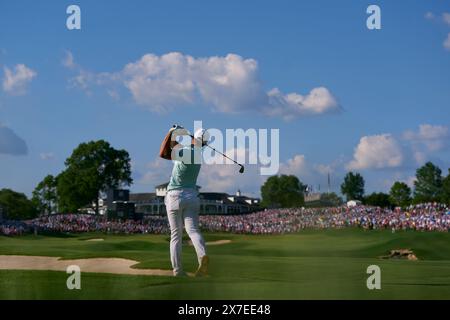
323	169
11	143
335	165
15	81
68	60
318	101
377	151
228	84
296	166
447	42
113	94
156	172
47	155
432	137
429	15
410	181
446	18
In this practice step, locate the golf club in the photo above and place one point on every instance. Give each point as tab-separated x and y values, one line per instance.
241	169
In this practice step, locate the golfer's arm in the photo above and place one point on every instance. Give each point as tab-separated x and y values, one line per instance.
165	151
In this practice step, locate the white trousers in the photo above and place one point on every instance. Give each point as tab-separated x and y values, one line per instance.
183	206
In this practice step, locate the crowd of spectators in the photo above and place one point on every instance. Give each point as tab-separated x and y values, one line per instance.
76	223
13	228
422	217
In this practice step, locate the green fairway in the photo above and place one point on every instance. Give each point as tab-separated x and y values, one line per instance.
309	265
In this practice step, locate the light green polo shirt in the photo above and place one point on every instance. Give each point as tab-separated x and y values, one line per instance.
185	171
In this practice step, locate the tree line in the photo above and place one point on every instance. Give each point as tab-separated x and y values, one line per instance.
429	186
95	166
92	168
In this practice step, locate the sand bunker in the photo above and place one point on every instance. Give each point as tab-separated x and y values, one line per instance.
213	243
100	265
407	254
95	240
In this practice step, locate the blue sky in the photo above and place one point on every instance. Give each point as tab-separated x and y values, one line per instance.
387	91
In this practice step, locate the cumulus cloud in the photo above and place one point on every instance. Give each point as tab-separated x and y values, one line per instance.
228	84
296	166
317	101
432	137
167	81
15	81
426	141
376	152
11	143
156	172
225	178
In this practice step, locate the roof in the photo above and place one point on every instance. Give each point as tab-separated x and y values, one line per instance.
142	197
164	185
210	196
213	195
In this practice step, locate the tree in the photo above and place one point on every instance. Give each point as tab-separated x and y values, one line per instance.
446	189
400	194
16	206
45	196
75	189
92	168
428	184
379	199
353	186
284	191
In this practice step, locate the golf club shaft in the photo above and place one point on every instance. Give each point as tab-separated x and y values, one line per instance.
192	136
219	152
223	155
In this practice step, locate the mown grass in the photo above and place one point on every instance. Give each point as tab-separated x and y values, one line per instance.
312	264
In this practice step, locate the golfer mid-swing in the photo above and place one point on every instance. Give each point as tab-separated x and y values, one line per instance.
182	201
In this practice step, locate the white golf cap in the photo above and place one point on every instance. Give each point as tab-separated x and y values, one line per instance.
202	135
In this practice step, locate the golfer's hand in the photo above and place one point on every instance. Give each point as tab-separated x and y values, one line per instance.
179	131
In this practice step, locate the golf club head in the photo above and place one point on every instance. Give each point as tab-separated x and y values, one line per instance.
241	169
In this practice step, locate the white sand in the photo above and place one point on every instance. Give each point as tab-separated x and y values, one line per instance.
213	243
101	265
95	240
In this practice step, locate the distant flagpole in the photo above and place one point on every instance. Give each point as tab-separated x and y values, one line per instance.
329	184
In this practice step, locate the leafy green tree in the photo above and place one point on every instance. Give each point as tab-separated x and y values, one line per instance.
92	168
284	191
400	194
353	186
379	199
16	206
446	189
75	189
45	196
428	184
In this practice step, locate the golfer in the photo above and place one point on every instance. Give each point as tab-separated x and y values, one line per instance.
182	201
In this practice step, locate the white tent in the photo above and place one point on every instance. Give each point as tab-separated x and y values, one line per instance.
353	203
